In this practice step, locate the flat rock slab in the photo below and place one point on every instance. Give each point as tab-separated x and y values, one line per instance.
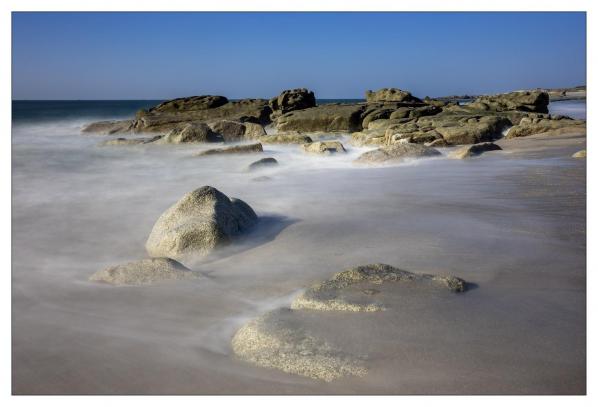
240	149
286	138
324	147
146	271
397	153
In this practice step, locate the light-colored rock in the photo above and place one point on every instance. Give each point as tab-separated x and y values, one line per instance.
121	141
390	95
474	150
240	149
191	133
286	138
198	223
146	271
530	126
109	127
396	153
324	147
335	295
325	118
580	154
236	131
276	341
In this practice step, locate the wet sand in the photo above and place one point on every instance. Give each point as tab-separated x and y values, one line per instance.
511	222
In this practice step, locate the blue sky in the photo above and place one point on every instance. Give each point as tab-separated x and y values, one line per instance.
338	55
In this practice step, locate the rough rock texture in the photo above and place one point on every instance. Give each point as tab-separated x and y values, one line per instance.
580	154
396	153
110	127
328	118
237	131
527	101
330	295
528	126
190	104
324	147
390	95
121	141
293	99
144	271
275	341
240	149
191	133
474	150
286	138
264	162
198	223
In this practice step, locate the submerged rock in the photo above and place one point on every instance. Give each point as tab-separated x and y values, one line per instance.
198	223
335	295
144	271
396	153
121	141
473	150
240	149
110	127
324	147
276	341
580	154
264	162
286	138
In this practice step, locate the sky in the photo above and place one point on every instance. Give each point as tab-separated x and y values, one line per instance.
337	55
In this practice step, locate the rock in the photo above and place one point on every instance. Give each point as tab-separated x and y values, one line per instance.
474	150
414	112
390	95
474	130
376	114
286	138
437	143
236	131
324	147
121	141
240	149
191	133
396	153
277	341
144	271
325	118
339	293
580	154
264	162
109	127
293	99
528	101
529	126
368	137
198	223
189	104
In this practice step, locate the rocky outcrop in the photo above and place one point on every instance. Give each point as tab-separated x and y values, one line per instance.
390	95
339	294
264	162
474	150
293	99
240	149
121	141
188	104
191	133
396	153
146	271
325	118
110	127
324	147
198	223
529	126
286	138
580	154
526	101
232	131
276	340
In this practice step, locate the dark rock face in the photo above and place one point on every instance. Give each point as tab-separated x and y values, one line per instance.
198	223
293	99
191	133
328	118
189	104
237	131
240	149
264	162
474	150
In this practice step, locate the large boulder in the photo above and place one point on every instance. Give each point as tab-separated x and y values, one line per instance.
339	293
237	131
390	95
324	147
529	126
198	223
146	271
396	153
474	150
263	163
293	99
528	101
240	149
325	118
191	133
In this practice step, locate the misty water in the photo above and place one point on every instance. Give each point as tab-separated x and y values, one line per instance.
512	223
